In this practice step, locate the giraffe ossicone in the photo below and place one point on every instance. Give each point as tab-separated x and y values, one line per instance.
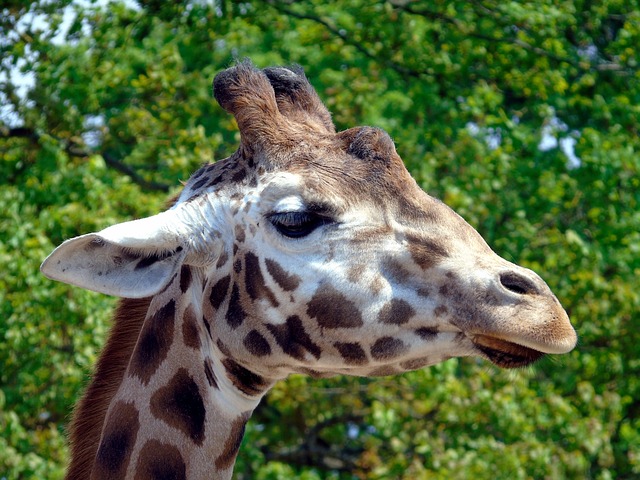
307	251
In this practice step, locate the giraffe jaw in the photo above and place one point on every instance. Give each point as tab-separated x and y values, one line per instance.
506	354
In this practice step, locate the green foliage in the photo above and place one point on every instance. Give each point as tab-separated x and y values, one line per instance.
121	111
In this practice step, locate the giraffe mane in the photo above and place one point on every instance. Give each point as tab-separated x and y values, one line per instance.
88	417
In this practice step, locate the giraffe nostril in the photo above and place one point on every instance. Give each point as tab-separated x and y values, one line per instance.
517	283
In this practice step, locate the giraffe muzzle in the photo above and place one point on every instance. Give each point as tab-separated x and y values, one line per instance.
506	354
512	317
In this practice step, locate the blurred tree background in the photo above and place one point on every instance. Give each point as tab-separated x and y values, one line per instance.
522	116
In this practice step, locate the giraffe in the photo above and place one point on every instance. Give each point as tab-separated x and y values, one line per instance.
306	251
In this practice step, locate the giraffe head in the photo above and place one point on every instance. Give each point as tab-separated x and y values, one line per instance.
311	250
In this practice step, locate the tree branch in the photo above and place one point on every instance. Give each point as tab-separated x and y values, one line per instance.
345	37
20	132
584	66
137	178
601	66
315	451
77	149
285	7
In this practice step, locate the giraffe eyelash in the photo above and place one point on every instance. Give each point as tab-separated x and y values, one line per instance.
297	224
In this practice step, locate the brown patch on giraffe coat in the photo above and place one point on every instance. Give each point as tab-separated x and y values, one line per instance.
217	179
426	252
256	344
239	175
118	439
219	292
424	292
313	373
223	348
355	272
254	281
306	371
244	380
444	290
199	184
201	171
190	331
427	333
367	236
396	312
377	284
227	458
383	371
240	236
207	325
185	278
288	282
352	353
154	342
293	338
208	371
415	364
159	461
332	309
395	270
440	310
180	405
387	348
222	259
415	214
235	312
450	286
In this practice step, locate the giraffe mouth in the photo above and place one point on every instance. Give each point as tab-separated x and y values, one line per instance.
506	354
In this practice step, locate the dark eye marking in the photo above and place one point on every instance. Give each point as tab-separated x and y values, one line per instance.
297	224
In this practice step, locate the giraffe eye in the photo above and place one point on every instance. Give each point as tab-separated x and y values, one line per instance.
296	224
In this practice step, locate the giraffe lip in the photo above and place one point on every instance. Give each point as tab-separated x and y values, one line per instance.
506	354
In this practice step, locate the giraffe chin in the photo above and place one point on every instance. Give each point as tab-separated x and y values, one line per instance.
506	354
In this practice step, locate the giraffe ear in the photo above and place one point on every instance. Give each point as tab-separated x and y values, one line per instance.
132	259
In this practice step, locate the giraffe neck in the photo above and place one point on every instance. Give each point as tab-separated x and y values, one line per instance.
177	412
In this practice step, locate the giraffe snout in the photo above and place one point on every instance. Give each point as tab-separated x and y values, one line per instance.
514	317
531	314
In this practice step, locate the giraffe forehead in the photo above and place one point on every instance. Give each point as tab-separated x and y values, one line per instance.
315	173
283	192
